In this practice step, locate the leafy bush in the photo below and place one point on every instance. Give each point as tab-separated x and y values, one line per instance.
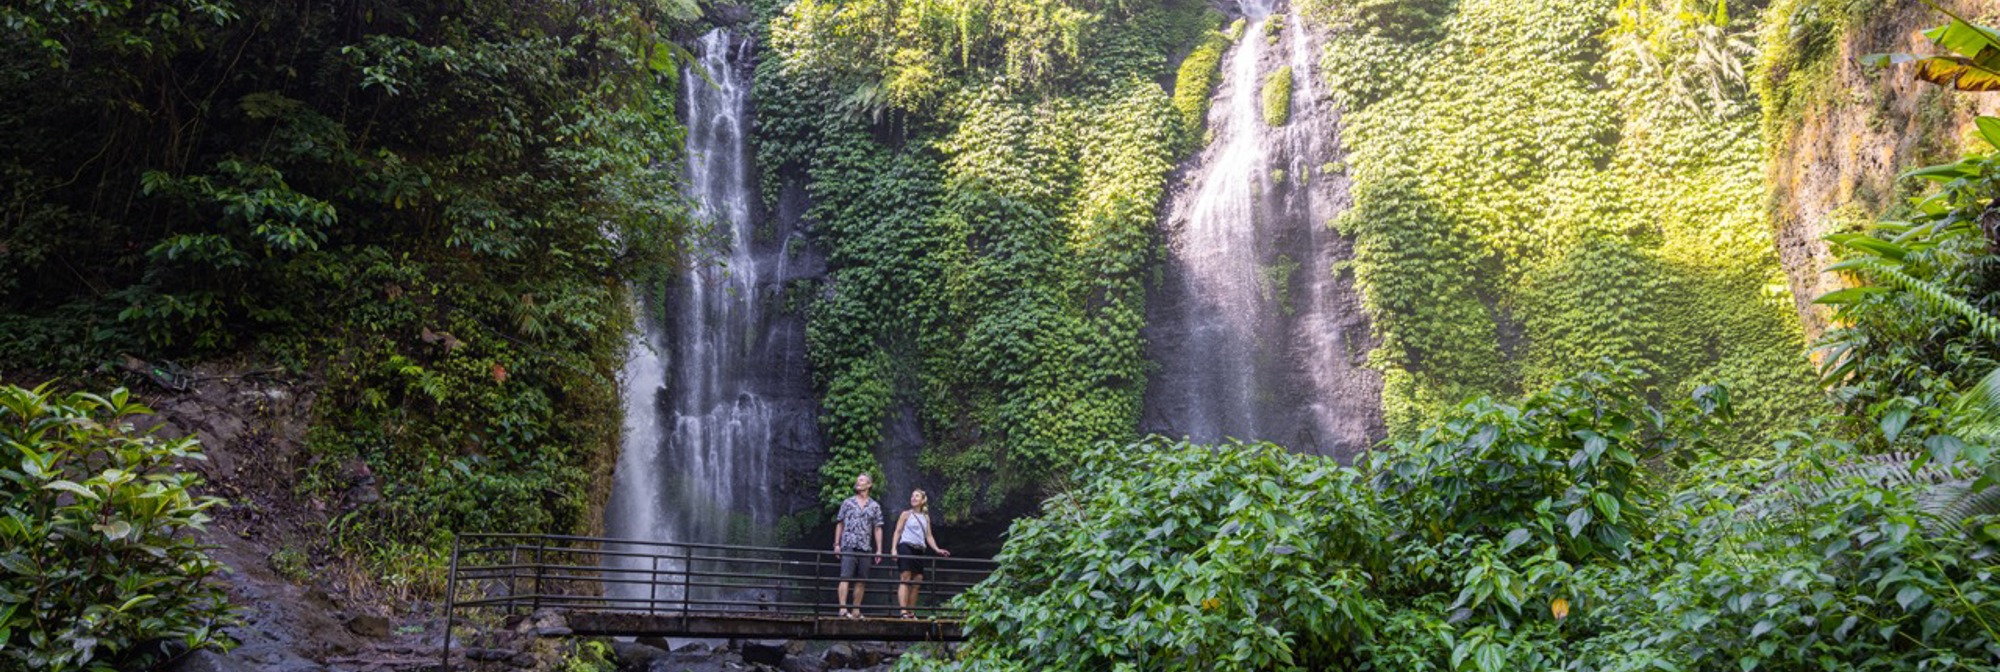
1195	83
98	570
432	207
1541	535
1180	557
1278	97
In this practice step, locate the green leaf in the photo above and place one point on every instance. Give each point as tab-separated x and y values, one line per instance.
1989	128
1849	295
1893	422
114	530
73	488
1577	520
1607	505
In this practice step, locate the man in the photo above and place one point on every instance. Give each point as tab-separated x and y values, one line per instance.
860	519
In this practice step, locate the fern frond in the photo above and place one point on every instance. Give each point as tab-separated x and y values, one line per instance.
1932	294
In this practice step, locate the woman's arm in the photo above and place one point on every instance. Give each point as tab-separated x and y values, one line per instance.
931	539
900	519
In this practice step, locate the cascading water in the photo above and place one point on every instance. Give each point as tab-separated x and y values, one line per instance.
1255	335
719	413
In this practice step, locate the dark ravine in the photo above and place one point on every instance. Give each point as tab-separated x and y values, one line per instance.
1254	333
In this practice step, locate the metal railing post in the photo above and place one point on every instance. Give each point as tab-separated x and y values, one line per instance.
536	600
819	593
513	574
653	589
450	605
687	567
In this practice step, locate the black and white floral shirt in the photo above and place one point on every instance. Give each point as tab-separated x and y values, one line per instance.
860	521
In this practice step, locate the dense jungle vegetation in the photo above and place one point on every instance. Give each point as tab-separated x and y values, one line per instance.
1608	449
1576	180
1607	521
985	177
429	208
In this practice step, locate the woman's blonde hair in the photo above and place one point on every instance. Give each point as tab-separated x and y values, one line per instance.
924	505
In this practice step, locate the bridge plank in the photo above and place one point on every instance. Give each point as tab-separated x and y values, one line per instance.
759	626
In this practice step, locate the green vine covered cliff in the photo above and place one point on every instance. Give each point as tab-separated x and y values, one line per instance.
985	179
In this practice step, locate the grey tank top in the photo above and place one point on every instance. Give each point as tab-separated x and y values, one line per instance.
913	529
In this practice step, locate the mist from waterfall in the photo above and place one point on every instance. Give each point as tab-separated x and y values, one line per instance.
1255	335
714	385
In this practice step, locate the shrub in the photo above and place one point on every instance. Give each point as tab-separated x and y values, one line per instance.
1534	535
1173	556
1195	81
99	571
1278	97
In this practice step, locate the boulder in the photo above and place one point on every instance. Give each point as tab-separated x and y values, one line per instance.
368	625
485	654
635	657
205	660
765	651
838	657
870	654
802	664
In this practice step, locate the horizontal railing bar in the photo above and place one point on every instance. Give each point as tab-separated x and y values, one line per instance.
805	583
778	579
499	571
798	567
662	605
981	565
664	544
643	607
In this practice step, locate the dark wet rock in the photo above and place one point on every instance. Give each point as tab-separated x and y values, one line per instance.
635	657
209	661
838	657
870	654
368	625
523	660
690	647
802	664
725	14
484	654
765	651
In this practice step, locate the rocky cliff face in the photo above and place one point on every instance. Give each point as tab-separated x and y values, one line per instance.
1834	156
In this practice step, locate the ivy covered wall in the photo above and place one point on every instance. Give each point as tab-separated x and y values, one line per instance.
1540	184
1567	181
984	178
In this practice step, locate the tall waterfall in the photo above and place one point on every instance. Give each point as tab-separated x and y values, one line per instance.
719	413
1255	335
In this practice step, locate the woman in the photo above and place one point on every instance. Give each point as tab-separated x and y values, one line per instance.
913	542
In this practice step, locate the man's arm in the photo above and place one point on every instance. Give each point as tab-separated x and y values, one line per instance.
838	529
878	540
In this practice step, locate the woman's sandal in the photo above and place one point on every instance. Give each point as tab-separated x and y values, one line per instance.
909	616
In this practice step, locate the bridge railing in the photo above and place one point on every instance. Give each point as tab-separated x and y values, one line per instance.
522	573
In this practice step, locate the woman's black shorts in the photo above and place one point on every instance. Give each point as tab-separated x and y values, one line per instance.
910	557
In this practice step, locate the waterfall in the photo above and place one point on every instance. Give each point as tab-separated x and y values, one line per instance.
1255	335
718	408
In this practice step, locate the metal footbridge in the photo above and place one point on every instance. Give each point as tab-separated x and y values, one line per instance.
631	588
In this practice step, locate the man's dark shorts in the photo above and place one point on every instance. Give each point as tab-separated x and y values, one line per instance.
854	564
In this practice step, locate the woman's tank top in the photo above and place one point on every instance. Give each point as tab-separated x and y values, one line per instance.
913	529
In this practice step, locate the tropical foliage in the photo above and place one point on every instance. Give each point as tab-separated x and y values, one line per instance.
428	206
1548	534
1569	181
97	568
988	232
